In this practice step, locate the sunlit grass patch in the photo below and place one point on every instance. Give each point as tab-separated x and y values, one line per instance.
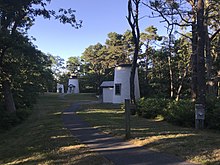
57	137
34	158
70	148
195	146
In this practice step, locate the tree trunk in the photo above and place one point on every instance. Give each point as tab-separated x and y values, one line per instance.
6	89
169	64
210	87
218	83
133	19
171	77
194	62
181	84
201	87
8	98
132	77
146	66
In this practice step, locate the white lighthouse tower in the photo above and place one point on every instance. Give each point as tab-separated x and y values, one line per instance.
60	88
73	85
122	83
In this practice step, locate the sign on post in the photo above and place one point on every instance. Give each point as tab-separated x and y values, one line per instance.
199	116
200	112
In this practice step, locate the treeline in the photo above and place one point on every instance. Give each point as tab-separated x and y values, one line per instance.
26	74
165	70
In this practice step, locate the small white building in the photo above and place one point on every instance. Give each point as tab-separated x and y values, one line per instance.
107	91
121	85
73	85
60	88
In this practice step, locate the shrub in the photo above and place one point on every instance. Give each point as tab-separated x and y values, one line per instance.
133	108
23	114
212	117
181	113
151	107
9	120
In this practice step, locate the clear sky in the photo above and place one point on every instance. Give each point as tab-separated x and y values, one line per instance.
100	17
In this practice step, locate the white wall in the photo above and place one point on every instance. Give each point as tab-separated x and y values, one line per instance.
60	86
74	82
108	95
122	76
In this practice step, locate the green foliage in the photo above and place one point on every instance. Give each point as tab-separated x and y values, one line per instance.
119	47
180	113
73	65
23	114
23	14
155	70
159	74
94	56
9	120
95	64
63	79
56	65
213	113
87	83
152	107
33	76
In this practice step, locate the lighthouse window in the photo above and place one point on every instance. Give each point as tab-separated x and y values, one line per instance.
117	89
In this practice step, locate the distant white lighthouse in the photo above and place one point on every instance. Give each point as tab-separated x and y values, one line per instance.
122	83
118	90
60	88
73	85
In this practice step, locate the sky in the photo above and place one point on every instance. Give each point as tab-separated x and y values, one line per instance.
99	17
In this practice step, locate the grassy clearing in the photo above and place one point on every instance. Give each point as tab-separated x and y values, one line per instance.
42	139
195	146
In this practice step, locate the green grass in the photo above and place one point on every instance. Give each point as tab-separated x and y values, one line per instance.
82	97
42	139
195	146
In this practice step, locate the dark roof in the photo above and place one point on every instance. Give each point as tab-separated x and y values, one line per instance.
71	85
124	65
73	77
107	84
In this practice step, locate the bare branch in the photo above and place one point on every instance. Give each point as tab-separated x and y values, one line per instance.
184	35
214	35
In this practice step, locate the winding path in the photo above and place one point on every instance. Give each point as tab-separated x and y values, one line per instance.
115	149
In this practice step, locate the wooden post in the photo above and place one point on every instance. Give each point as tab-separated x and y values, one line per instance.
127	119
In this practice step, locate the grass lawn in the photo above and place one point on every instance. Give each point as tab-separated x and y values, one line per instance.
42	139
201	147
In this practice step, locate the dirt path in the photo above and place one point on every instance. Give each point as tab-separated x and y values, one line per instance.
115	149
